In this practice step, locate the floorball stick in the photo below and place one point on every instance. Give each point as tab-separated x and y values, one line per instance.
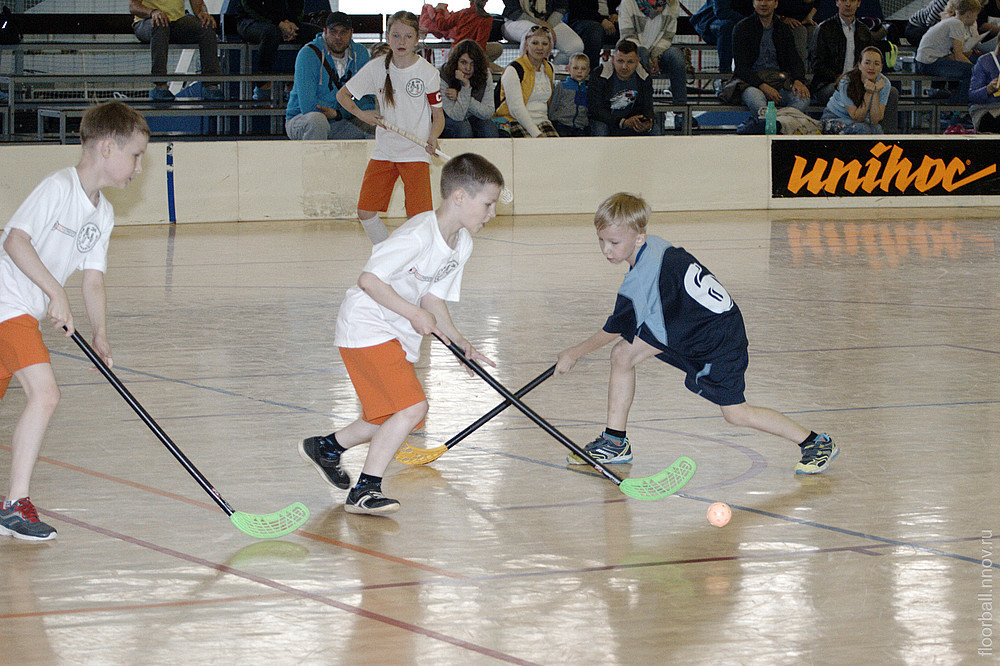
654	487
266	526
412	455
506	196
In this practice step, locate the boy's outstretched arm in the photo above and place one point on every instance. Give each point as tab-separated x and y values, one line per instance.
19	248
439	309
568	357
95	301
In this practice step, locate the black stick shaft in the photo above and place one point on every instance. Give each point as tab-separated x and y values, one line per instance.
530	413
148	420
524	390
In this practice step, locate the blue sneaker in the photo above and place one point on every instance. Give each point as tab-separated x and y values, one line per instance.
605	450
20	520
212	94
161	95
817	455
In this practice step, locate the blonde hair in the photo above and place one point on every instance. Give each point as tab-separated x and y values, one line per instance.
407	18
112	119
623	209
535	28
956	7
579	57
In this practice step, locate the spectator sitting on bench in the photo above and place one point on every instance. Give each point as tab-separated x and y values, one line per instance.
520	16
859	104
269	23
596	21
160	23
767	61
473	22
945	49
467	96
652	25
839	42
620	102
715	22
984	104
322	67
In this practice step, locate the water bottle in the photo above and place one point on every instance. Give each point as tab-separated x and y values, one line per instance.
771	119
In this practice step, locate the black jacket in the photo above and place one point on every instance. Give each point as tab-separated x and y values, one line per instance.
831	48
746	47
599	98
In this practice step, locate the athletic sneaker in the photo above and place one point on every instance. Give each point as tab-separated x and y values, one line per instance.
317	452
20	520
605	450
369	501
817	455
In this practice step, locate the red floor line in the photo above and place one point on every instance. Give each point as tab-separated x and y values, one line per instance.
281	587
206	505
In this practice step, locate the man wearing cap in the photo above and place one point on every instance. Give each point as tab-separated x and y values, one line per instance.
271	23
321	68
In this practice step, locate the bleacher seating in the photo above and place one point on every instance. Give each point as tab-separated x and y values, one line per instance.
70	33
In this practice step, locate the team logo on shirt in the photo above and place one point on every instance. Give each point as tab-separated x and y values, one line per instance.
87	237
704	288
441	274
415	87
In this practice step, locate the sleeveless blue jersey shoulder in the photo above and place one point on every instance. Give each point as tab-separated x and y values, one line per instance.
673	302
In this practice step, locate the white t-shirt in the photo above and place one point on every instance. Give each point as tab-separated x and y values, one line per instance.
415	90
415	261
936	42
67	231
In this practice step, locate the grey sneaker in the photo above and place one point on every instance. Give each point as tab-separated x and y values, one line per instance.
604	450
369	501
20	520
315	451
817	455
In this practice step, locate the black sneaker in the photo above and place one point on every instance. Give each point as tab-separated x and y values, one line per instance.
316	451
20	520
369	501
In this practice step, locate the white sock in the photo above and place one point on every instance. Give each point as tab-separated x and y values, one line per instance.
375	229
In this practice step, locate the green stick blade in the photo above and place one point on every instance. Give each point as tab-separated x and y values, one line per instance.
271	525
660	485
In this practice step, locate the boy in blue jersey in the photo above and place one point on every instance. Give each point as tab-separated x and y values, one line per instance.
671	307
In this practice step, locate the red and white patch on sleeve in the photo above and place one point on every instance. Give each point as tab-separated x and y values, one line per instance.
434	98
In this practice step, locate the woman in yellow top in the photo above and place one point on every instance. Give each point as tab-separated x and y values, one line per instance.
526	88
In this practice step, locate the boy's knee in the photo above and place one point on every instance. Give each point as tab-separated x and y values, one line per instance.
621	354
416	413
737	415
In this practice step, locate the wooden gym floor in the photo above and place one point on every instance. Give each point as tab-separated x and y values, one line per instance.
880	332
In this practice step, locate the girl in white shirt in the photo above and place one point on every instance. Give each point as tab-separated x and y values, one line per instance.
409	95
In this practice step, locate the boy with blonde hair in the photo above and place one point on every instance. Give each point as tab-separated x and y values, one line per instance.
671	307
568	107
64	225
399	298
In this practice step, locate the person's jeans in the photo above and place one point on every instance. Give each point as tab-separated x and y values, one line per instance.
755	100
314	126
720	33
672	64
185	30
952	69
268	35
593	36
471	127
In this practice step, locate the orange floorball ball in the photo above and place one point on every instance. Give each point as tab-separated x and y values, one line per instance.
719	514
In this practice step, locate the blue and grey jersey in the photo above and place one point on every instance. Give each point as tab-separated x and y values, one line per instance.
673	302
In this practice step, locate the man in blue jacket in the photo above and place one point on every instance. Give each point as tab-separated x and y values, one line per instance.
321	68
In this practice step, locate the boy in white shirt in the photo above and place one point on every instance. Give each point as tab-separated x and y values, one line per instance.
399	298
64	225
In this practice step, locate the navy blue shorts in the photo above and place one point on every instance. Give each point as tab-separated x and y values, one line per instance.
720	381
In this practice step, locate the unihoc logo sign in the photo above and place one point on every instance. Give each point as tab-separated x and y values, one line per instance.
920	167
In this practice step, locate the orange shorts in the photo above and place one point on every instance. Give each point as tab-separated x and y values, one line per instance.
20	346
380	178
384	380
